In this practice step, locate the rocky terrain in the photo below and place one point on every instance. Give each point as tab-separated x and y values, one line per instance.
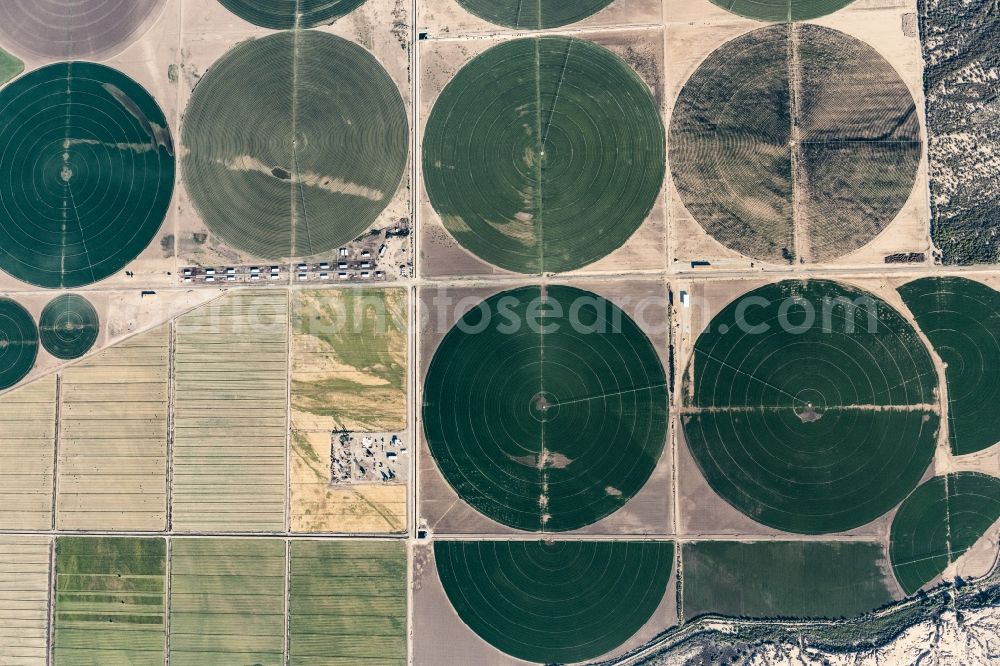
962	84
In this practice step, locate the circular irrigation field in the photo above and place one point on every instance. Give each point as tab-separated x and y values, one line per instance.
86	174
782	10
544	154
811	423
938	523
70	29
69	326
554	602
546	412
18	343
286	14
534	14
809	157
295	144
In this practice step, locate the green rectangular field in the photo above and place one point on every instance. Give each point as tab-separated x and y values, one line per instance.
347	603
110	601
227	602
783	579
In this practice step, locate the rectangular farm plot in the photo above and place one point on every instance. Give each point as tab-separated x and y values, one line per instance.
347	603
27	439
24	599
318	506
110	601
784	579
349	359
113	438
227	602
231	415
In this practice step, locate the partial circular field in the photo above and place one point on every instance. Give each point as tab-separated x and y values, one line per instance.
782	10
534	14
811	406
295	144
938	523
86	174
544	154
808	157
961	318
18	343
554	602
546	410
286	14
69	326
71	29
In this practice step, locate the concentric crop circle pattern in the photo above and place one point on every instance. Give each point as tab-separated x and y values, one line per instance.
286	14
86	174
815	428
534	14
546	428
938	523
554	602
782	10
961	318
795	142
295	144
544	154
69	326
18	343
70	29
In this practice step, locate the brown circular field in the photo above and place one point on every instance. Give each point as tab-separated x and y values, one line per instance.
91	29
795	143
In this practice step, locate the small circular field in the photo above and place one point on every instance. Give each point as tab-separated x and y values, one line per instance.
938	523
295	144
69	326
18	343
809	158
534	14
544	154
86	174
286	14
546	410
70	29
554	602
811	406
782	10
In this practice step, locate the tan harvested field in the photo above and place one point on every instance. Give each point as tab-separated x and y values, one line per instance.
113	438
350	508
349	360
27	438
24	600
230	418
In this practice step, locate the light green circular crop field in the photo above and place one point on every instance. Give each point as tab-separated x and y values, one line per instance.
69	326
295	143
544	154
534	14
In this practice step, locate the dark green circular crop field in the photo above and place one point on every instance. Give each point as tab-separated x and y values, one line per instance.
86	174
782	10
961	318
938	523
69	326
534	14
544	154
554	602
296	143
811	406
18	343
286	14
546	411
795	143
